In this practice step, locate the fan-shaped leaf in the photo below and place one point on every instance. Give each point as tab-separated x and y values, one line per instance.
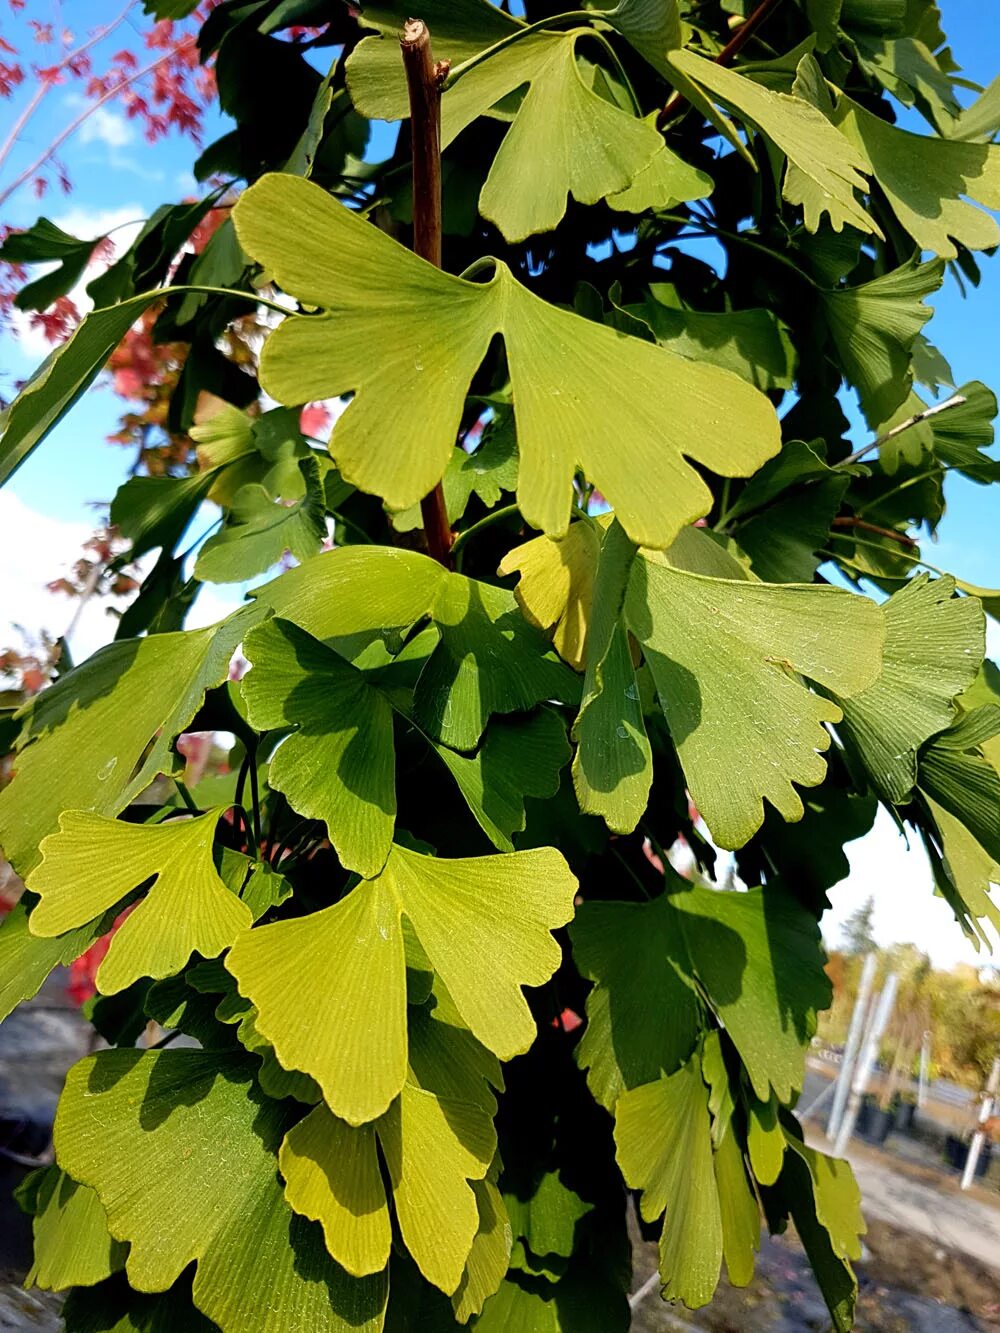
484	925
431	335
93	863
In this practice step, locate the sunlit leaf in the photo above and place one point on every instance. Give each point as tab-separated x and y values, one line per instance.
484	924
431	334
93	863
209	1192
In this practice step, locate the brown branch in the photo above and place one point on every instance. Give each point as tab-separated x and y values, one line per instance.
847	521
727	55
424	79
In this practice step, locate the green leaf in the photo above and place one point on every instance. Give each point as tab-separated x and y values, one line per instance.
44	242
824	167
969	873
643	1014
739	1211
127	702
153	512
339	763
874	327
613	765
666	181
26	960
754	956
744	726
490	1253
484	925
663	1137
568	375
113	1307
565	137
93	863
259	532
209	1192
433	1149
924	179
547	1219
63	378
488	659
520	757
460	30
72	1244
821	1194
933	650
753	344
960	770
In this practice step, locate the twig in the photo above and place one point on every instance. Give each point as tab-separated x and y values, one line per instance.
726	56
956	400
84	115
860	523
46	84
424	79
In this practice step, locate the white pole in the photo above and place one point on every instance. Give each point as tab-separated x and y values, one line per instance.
858	1019
985	1111
925	1060
869	1055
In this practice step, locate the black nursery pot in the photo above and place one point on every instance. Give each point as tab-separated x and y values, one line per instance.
880	1125
905	1113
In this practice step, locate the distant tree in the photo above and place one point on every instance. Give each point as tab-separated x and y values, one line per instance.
857	933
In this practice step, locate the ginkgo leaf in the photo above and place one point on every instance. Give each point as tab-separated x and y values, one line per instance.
823	1199
584	146
753	344
338	764
490	1253
765	1140
828	168
445	1058
956	771
72	1245
723	655
969	874
547	1220
924	179
666	181
260	532
933	650
433	1149
874	327
613	765
663	1137
738	1209
484	925
209	1194
62	379
732	948
643	1014
663	407
143	692
113	1307
26	960
556	585
460	30
520	757
93	863
488	660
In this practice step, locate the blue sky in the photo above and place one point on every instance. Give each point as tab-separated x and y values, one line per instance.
49	505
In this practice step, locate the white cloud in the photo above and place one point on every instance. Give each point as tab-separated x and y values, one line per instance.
39	549
107	127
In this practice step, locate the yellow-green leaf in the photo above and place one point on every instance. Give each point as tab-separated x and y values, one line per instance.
92	863
430	330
